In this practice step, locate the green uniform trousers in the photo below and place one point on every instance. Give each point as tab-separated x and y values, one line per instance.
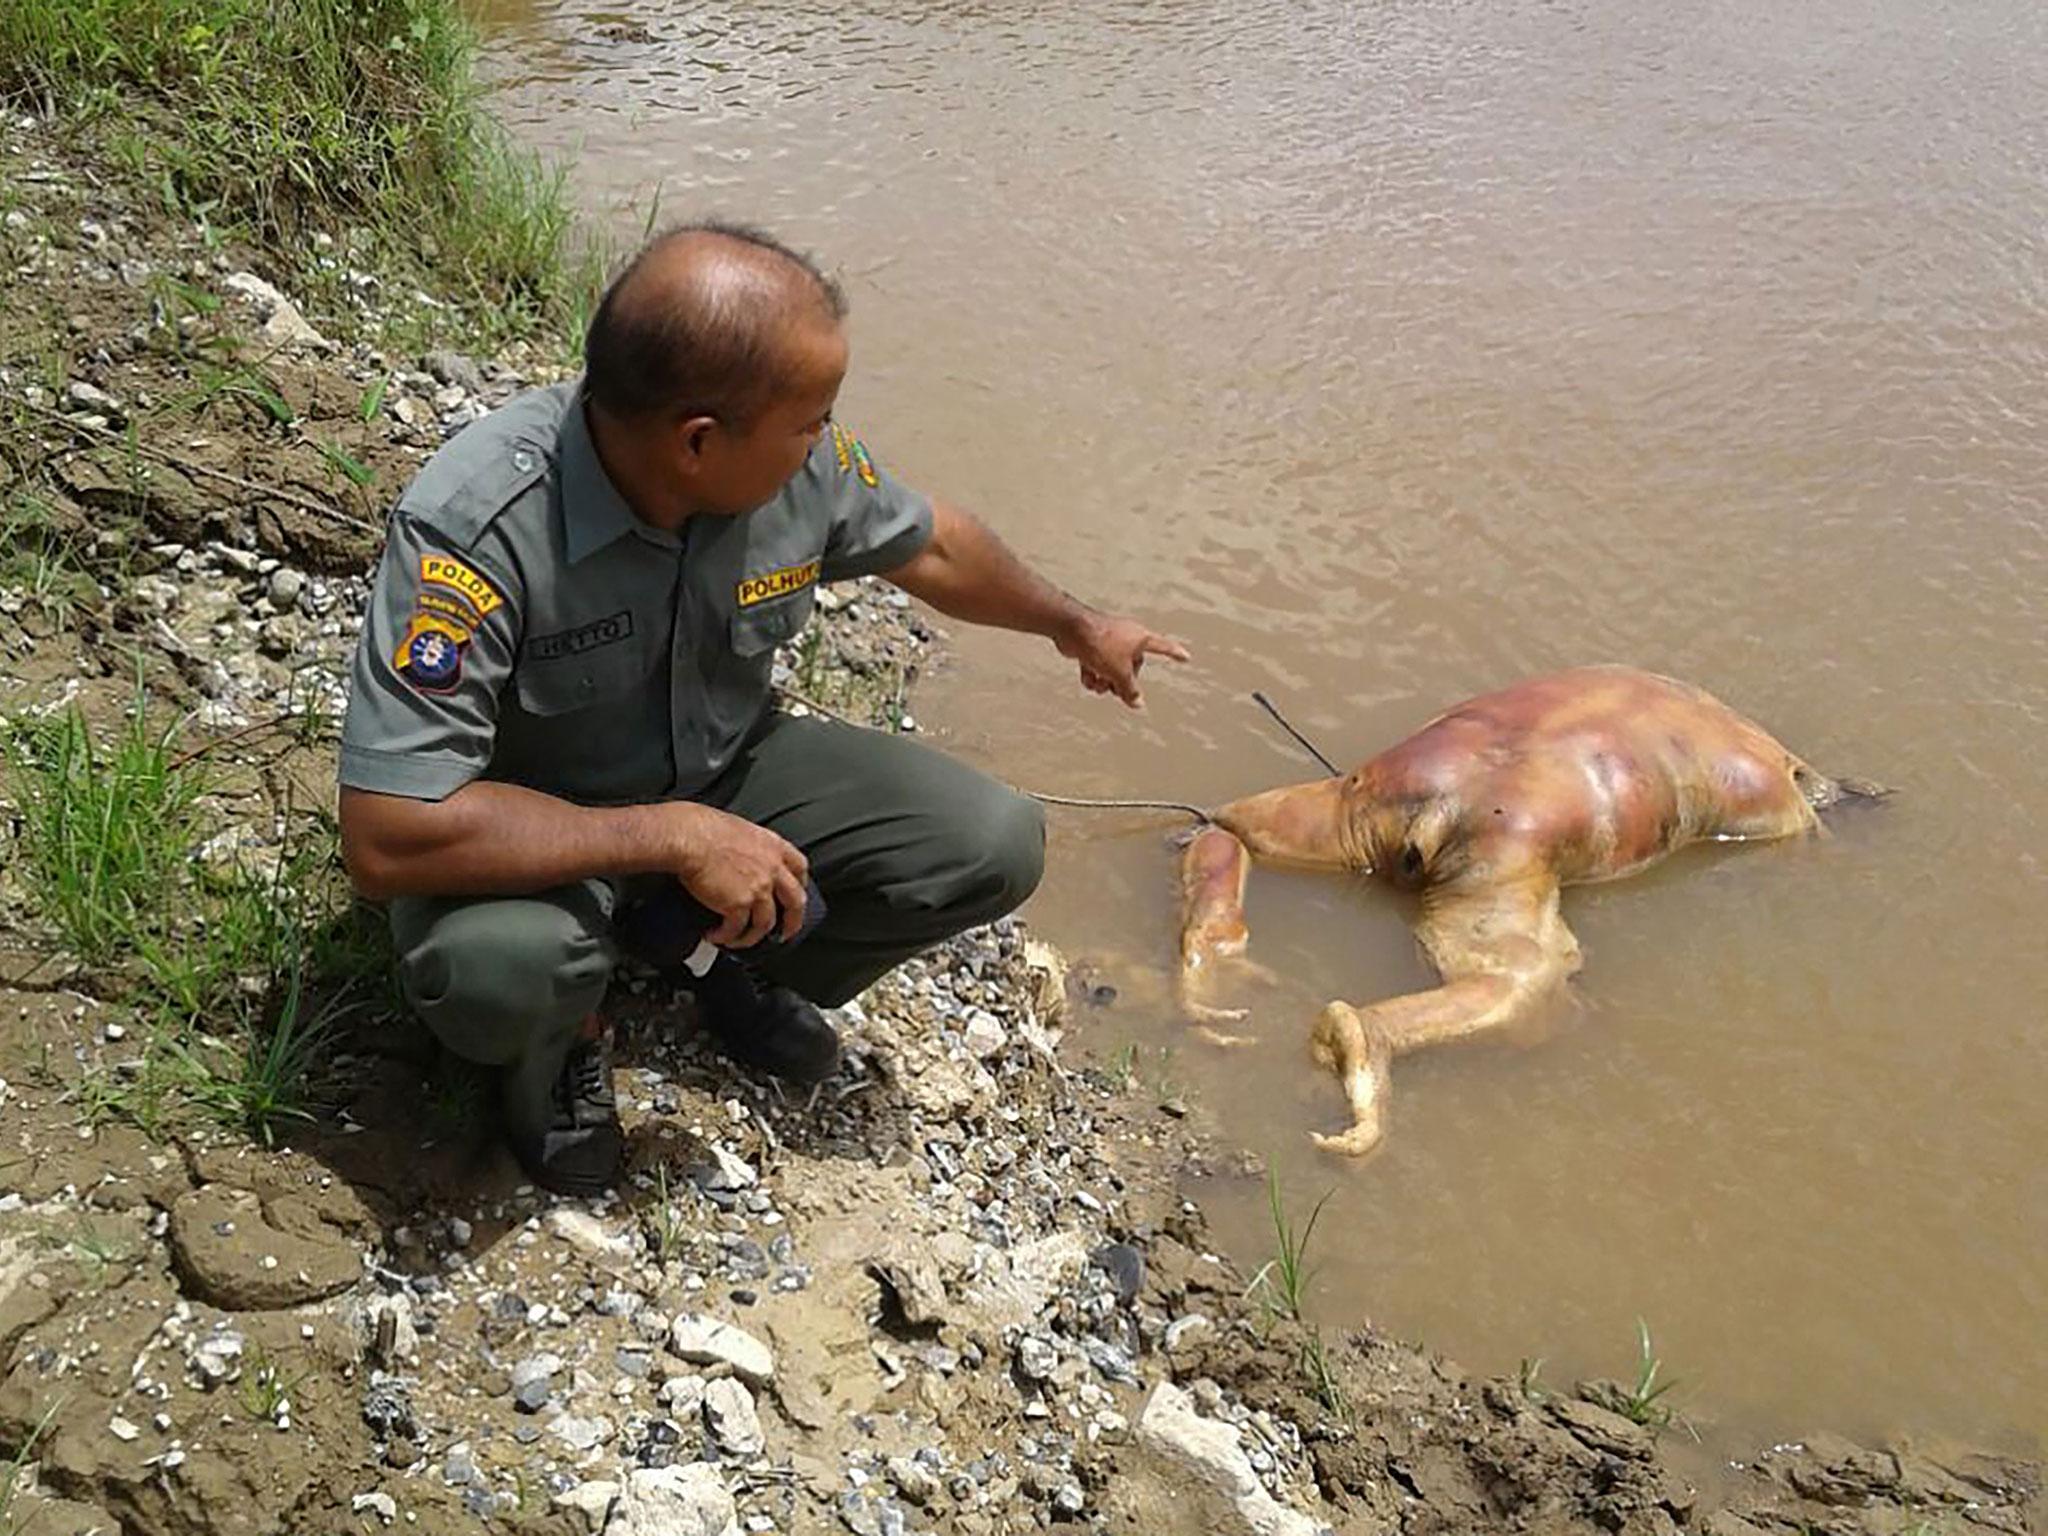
907	846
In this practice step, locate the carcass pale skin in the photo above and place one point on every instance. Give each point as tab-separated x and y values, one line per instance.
1488	810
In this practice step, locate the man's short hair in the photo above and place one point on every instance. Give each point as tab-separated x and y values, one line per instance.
715	347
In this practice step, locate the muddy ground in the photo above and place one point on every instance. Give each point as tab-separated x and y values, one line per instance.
958	1289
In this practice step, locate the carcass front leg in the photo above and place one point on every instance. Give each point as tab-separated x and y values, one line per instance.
1212	929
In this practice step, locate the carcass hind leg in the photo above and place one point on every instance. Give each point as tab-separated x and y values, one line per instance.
1344	1043
1500	950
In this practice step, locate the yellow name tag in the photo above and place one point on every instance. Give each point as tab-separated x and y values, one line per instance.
791	578
453	574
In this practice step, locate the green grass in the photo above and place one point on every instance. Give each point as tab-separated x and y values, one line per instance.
1323	1379
1282	1281
13	1473
264	1390
239	977
273	119
42	562
95	1252
669	1230
105	827
1281	1289
1641	1402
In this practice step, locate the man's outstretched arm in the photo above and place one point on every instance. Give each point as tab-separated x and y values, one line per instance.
967	573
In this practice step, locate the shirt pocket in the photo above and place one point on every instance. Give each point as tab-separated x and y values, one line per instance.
757	631
591	680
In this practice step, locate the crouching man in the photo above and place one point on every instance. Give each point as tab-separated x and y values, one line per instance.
561	741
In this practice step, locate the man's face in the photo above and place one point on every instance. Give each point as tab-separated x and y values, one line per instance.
733	470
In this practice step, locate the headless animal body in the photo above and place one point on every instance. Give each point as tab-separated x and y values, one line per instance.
1487	811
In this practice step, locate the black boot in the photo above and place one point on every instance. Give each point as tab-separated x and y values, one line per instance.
567	1135
761	1025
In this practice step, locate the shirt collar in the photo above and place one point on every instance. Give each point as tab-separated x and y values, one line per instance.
594	514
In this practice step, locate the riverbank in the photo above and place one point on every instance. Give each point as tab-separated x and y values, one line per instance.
262	1266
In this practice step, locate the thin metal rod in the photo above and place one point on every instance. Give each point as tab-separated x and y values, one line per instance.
1195	811
1121	805
1267	705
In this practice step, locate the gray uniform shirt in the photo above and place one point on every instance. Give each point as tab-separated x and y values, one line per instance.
526	627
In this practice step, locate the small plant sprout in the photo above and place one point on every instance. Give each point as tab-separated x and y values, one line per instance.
1282	1281
266	1394
667	1230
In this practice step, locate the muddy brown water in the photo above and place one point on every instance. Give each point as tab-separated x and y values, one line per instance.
1388	353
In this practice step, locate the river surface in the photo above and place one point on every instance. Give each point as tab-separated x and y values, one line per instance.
1388	353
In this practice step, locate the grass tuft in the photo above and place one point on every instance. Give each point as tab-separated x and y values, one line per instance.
1641	1402
40	562
277	119
1282	1281
240	976
14	1477
104	828
264	1390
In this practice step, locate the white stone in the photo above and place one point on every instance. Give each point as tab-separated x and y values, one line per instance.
705	1340
581	1434
284	586
1036	1358
720	1169
382	1505
592	1500
282	322
89	397
1210	1451
730	1415
590	1237
984	1033
674	1501
683	1395
121	1429
385	1329
535	1368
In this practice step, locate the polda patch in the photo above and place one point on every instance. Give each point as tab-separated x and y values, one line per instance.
446	572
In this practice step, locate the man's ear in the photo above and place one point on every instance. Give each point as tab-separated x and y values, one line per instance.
692	434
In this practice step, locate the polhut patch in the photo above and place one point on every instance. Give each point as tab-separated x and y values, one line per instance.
585	637
791	578
442	571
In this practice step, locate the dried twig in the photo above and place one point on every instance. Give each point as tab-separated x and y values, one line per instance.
191	467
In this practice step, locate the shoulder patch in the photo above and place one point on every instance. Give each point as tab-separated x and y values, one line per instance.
430	655
850	453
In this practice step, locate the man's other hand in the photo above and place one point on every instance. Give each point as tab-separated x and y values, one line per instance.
1111	651
746	874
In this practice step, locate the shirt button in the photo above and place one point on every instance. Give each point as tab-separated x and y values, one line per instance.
522	461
